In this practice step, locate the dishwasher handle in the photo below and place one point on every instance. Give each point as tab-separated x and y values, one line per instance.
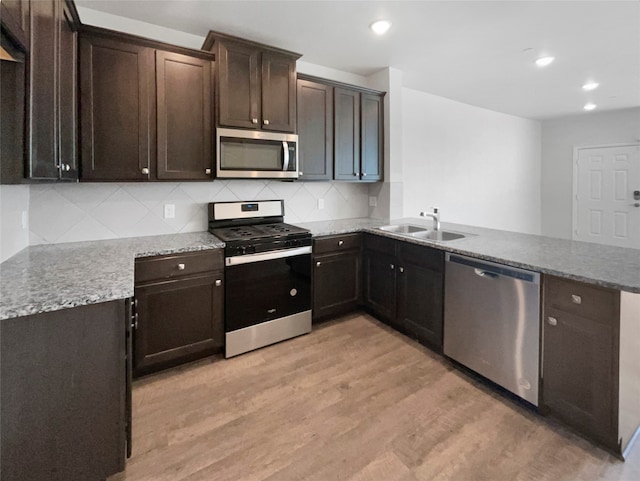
483	273
493	270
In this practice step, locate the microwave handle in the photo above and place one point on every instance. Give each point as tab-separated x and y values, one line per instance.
285	147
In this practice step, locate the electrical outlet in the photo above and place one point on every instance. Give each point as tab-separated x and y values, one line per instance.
320	203
169	211
373	201
25	219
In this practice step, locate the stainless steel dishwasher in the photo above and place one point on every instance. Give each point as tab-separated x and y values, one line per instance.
492	322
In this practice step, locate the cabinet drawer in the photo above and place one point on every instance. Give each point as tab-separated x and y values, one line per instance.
592	302
336	243
163	267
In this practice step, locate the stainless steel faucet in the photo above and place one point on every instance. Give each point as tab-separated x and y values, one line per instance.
434	215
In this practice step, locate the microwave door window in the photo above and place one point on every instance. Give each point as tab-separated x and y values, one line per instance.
250	155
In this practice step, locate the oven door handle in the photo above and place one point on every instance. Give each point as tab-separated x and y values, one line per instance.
267	256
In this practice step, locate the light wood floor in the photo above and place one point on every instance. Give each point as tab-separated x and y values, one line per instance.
352	401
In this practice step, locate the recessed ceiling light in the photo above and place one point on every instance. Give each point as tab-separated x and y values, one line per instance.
589	106
544	61
380	27
590	86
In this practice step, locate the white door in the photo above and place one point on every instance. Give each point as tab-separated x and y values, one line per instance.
607	204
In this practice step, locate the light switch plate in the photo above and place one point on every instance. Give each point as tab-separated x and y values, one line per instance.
373	201
320	203
169	211
25	219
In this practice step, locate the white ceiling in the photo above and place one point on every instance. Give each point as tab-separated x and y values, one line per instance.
477	52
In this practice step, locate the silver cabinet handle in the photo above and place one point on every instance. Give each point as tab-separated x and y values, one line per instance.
576	299
401	269
207	171
299	174
254	121
218	282
265	122
552	321
340	242
356	174
134	325
181	267
318	264
637	204
67	167
364	174
145	171
392	266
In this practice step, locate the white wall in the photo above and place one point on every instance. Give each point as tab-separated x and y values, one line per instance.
559	137
14	200
478	166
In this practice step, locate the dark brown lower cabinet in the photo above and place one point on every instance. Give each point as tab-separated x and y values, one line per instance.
379	290
336	275
403	286
420	293
63	410
581	334
178	317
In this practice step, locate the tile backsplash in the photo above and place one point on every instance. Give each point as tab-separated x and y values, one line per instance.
93	211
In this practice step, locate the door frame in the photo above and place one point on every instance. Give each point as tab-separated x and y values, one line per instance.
574	195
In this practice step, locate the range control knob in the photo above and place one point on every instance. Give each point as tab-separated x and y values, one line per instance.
251	249
242	250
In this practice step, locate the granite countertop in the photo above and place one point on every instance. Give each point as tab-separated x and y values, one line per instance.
56	276
607	266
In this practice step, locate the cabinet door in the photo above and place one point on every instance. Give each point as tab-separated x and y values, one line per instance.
420	293
238	85
42	117
116	99
580	348
178	320
371	135
346	134
67	94
185	129
278	92
336	283
315	130
15	18
379	293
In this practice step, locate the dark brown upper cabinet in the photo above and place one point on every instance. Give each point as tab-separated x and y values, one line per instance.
51	124
15	20
256	84
145	109
315	130
340	129
358	135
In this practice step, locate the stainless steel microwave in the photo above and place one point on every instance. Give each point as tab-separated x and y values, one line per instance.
246	154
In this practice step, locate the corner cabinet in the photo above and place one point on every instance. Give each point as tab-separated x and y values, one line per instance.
341	131
256	84
590	340
336	275
179	302
51	93
146	109
404	287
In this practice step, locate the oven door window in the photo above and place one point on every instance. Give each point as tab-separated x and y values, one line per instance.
251	154
266	290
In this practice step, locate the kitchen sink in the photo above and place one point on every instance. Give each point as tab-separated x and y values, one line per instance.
420	232
403	229
439	235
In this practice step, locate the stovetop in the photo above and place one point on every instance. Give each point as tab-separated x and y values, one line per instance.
257	232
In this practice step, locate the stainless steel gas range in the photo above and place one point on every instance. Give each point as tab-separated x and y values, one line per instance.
267	274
